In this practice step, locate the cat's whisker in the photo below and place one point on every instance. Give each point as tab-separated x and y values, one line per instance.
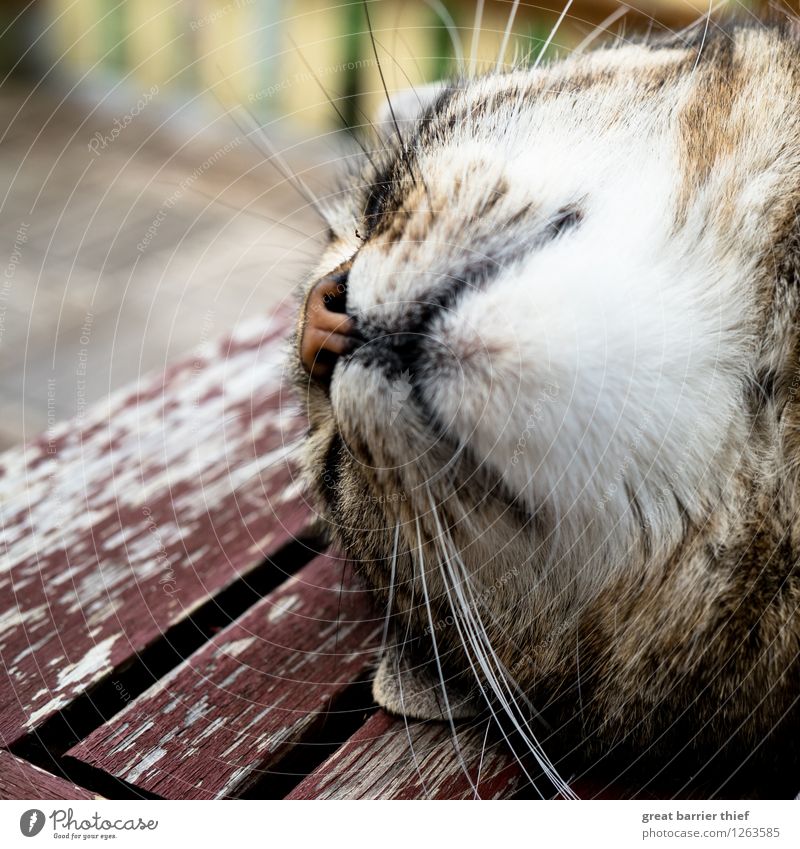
398	658
480	762
501	53
515	61
402	70
272	155
706	15
367	154
437	657
473	605
390	600
471	531
402	146
244	210
705	34
549	564
515	714
553	32
477	637
472	642
476	37
511	708
477	603
578	674
452	30
407	724
330	100
449	465
398	36
600	29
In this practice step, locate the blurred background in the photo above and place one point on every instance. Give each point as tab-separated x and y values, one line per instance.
140	215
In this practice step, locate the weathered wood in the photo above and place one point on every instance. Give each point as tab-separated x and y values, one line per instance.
386	759
235	708
117	525
22	780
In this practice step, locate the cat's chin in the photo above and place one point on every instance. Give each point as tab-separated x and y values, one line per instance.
380	420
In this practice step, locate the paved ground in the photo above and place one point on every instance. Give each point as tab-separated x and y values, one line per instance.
114	261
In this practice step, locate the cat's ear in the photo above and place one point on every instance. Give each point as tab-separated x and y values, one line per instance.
406	687
408	106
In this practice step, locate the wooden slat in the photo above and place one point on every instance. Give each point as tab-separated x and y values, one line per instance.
118	525
387	760
22	780
236	707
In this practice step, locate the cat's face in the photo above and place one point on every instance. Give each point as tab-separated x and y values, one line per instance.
573	332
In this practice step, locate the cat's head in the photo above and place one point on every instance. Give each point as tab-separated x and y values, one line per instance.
554	333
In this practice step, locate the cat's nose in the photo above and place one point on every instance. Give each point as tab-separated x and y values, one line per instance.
328	332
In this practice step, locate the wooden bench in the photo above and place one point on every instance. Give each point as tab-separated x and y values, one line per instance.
170	627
